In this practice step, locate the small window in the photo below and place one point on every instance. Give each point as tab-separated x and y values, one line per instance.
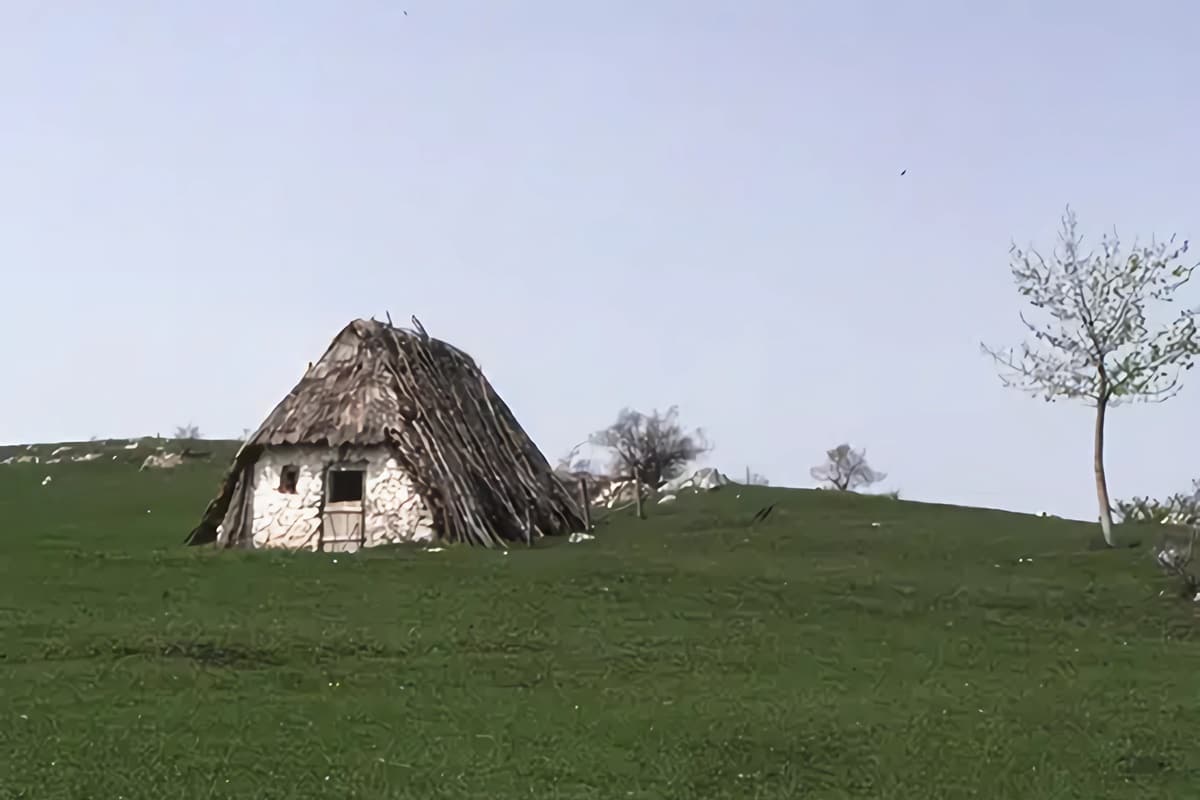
289	476
345	485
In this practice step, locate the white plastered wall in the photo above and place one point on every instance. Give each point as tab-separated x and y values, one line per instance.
392	510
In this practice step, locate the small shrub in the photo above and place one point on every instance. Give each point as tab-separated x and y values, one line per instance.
1180	506
1174	556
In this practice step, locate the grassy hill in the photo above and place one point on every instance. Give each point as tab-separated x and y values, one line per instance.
944	653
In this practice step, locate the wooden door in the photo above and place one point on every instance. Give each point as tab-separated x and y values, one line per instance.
342	529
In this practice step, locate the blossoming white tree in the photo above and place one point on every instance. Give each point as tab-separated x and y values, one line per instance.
1095	341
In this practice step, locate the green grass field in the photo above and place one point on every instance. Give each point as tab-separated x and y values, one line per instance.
690	655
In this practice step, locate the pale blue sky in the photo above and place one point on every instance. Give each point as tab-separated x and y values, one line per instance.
608	204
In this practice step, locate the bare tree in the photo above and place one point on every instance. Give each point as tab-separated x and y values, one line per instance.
654	445
1095	342
187	432
846	469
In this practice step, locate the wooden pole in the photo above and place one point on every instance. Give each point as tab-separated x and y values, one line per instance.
583	501
637	493
528	526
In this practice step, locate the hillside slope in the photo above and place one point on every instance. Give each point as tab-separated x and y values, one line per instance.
943	653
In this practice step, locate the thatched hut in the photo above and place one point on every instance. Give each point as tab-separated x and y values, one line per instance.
391	436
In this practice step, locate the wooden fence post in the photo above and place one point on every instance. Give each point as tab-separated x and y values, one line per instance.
637	492
583	501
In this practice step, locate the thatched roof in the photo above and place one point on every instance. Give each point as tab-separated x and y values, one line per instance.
481	476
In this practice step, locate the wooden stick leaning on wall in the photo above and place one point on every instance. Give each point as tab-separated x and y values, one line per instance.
585	503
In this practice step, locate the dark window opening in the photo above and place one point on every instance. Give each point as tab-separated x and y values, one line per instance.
345	485
289	476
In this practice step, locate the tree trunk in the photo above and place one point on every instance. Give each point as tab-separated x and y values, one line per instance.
1101	480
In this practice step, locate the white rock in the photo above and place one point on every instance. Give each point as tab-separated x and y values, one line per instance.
667	498
579	536
619	492
705	478
161	461
1180	518
46	480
